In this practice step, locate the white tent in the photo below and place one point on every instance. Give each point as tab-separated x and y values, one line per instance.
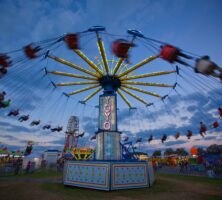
34	158
51	157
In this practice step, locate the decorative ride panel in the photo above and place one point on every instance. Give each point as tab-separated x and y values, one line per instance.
87	175
129	175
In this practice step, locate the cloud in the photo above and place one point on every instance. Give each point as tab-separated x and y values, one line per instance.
37	20
170	143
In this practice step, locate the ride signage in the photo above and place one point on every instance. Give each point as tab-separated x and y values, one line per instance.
107	109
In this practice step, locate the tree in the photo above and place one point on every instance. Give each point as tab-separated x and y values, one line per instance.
200	151
169	151
157	153
214	149
181	152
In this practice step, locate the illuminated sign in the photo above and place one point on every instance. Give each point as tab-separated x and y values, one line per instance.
107	117
82	153
107	112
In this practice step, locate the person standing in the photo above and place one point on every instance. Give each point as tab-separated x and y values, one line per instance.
28	167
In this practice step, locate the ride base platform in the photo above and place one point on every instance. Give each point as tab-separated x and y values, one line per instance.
108	175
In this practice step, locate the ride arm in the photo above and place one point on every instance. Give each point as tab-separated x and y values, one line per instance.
73	66
138	65
91	95
142	91
82	90
146	84
72	75
103	53
89	62
118	64
76	83
133	95
148	75
124	98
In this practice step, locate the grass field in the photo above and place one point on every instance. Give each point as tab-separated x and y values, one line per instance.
41	174
166	187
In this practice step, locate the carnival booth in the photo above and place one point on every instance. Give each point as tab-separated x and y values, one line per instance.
34	158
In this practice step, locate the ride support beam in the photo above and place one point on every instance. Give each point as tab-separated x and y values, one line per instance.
142	91
138	65
92	95
88	61
72	75
147	75
146	84
82	90
124	98
103	53
73	66
76	83
133	95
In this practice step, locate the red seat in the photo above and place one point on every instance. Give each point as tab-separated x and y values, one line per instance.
31	52
120	48
215	124
169	53
71	41
4	61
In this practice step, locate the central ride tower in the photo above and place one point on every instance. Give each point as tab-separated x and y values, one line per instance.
109	170
108	137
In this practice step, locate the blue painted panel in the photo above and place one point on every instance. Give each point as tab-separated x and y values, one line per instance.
129	175
87	174
107	175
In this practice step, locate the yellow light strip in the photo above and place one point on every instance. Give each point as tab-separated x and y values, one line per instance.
147	75
72	75
76	83
118	64
138	65
124	98
91	95
124	67
103	54
146	84
83	89
87	60
73	65
133	95
141	90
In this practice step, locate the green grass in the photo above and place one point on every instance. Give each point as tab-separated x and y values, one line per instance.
166	187
44	173
160	186
197	179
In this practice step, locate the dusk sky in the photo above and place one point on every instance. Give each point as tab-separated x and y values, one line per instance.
194	26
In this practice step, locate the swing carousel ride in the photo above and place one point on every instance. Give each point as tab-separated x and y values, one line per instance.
124	71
